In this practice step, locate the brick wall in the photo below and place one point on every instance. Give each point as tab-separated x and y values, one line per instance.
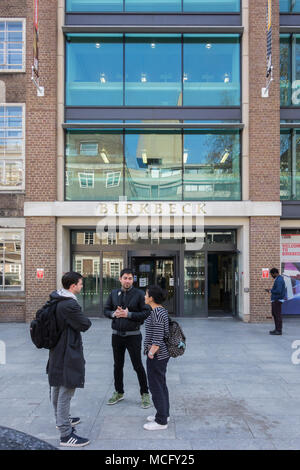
264	253
264	117
264	157
41	111
12	311
40	252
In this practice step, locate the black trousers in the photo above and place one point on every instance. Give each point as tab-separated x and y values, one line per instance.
276	312
134	345
156	371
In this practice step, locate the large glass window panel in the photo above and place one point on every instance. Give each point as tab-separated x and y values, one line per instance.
94	70
211	70
10	261
212	165
88	265
112	265
94	165
94	5
153	5
153	70
153	165
285	164
212	6
289	6
194	284
11	45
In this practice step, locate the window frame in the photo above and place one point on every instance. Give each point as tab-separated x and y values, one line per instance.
23	69
4	290
20	159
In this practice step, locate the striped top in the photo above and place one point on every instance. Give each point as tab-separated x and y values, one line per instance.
157	328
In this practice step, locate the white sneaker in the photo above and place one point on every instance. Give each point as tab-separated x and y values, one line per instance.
154	426
152	418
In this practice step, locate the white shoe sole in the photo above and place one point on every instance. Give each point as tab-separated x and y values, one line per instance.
65	444
115	401
159	427
151	419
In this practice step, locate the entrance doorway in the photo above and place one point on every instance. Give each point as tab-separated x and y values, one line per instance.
221	284
156	270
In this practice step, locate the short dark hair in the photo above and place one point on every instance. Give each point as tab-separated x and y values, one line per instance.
274	271
126	271
70	278
158	294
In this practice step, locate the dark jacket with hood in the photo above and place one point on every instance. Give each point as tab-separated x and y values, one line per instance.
134	300
66	364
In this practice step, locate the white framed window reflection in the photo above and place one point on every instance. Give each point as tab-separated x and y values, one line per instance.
11	260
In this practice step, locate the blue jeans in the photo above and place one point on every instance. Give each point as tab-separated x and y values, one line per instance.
156	371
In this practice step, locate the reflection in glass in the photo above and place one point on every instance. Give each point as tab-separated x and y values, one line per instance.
290	6
153	165
93	5
94	70
89	267
94	165
10	261
212	6
113	263
290	164
153	70
285	70
214	78
212	165
153	5
194	284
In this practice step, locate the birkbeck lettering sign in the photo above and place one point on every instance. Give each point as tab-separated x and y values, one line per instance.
134	209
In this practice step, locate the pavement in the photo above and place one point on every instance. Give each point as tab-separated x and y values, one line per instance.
235	387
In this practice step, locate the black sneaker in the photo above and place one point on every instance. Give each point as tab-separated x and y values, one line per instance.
276	332
73	441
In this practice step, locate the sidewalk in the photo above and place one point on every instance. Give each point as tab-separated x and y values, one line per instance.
234	388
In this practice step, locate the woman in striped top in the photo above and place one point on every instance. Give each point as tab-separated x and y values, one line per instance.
157	329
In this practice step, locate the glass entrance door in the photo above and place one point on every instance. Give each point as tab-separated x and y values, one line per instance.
221	284
88	265
194	285
156	270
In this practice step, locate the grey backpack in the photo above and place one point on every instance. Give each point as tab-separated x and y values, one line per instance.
176	341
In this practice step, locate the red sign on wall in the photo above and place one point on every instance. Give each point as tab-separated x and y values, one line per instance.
265	273
40	273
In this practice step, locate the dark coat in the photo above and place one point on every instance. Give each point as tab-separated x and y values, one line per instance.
134	300
66	364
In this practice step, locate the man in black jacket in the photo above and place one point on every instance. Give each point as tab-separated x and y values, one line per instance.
126	307
66	364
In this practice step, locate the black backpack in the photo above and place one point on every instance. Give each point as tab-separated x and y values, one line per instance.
44	330
176	341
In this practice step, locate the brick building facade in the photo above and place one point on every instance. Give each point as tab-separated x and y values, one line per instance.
243	232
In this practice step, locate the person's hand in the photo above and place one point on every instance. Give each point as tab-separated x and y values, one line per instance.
121	313
150	355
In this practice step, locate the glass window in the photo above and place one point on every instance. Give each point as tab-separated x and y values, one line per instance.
153	5
94	163
285	70
10	261
11	147
290	164
194	283
94	75
289	6
94	5
11	45
153	70
212	6
211	70
153	165
212	165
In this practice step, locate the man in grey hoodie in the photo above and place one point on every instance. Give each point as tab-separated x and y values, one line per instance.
66	365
